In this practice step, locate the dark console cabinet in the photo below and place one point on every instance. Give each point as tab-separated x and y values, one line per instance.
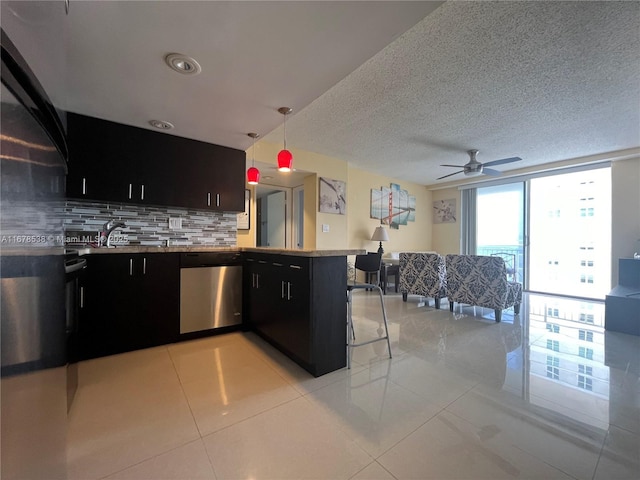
119	163
298	304
128	302
622	304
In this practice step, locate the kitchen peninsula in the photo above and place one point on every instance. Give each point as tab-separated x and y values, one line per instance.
294	299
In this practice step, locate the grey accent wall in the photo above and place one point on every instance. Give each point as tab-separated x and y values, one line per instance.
146	225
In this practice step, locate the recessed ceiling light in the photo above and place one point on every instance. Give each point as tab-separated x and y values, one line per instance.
183	64
160	124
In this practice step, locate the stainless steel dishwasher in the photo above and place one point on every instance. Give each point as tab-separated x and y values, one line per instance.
210	291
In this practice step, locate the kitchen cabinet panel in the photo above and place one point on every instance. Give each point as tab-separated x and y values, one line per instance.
210	176
129	302
89	177
299	305
261	292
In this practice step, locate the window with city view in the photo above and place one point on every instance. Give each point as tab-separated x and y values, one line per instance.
569	231
570	220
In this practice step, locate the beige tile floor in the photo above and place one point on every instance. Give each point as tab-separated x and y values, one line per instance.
541	395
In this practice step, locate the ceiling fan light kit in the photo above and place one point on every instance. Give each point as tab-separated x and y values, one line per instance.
285	157
474	168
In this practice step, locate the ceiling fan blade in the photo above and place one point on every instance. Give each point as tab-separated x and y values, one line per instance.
456	166
454	173
491	171
502	161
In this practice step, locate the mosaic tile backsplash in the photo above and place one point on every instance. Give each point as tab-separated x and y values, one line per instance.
146	225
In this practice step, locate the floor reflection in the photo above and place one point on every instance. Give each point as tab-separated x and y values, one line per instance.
567	372
544	394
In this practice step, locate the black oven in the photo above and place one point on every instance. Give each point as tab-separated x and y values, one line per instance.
74	268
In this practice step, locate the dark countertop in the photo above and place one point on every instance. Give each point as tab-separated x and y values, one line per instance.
200	248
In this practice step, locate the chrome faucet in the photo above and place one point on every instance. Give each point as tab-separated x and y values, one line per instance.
107	230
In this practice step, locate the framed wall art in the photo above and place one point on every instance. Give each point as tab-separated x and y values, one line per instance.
393	206
333	196
444	211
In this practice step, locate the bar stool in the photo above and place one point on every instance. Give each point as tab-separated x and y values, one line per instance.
368	264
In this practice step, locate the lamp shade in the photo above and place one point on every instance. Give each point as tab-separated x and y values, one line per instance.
380	235
253	176
285	161
285	157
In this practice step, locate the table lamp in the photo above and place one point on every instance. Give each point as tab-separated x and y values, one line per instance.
380	235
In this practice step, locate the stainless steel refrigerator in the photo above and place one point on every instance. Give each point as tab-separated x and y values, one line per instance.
32	277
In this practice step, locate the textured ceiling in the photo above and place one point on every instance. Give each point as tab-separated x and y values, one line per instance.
545	81
396	88
255	58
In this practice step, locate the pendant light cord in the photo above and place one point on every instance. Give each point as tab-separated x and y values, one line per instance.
253	155
284	131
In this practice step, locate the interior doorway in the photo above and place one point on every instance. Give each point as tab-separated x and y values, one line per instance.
280	208
272	219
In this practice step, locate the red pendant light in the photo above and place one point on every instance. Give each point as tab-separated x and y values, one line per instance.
253	174
285	158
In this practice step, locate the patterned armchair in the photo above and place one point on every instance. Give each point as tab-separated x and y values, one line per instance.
423	274
482	281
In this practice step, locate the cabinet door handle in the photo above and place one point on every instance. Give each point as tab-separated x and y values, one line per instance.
131	267
276	264
81	297
288	290
141	192
253	280
130	187
208	199
257	280
144	265
84	186
217	199
297	267
282	289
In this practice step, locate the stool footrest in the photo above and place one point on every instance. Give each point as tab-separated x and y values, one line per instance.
367	342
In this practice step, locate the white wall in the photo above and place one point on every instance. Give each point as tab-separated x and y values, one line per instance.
625	212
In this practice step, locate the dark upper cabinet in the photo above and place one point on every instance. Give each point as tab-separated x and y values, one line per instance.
208	176
115	162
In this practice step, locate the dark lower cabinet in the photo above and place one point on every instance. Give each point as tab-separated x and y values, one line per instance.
128	302
298	304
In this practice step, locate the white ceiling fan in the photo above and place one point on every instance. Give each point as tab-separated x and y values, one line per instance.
474	167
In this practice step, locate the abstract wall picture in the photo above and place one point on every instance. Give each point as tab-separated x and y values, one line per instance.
444	211
333	196
393	206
